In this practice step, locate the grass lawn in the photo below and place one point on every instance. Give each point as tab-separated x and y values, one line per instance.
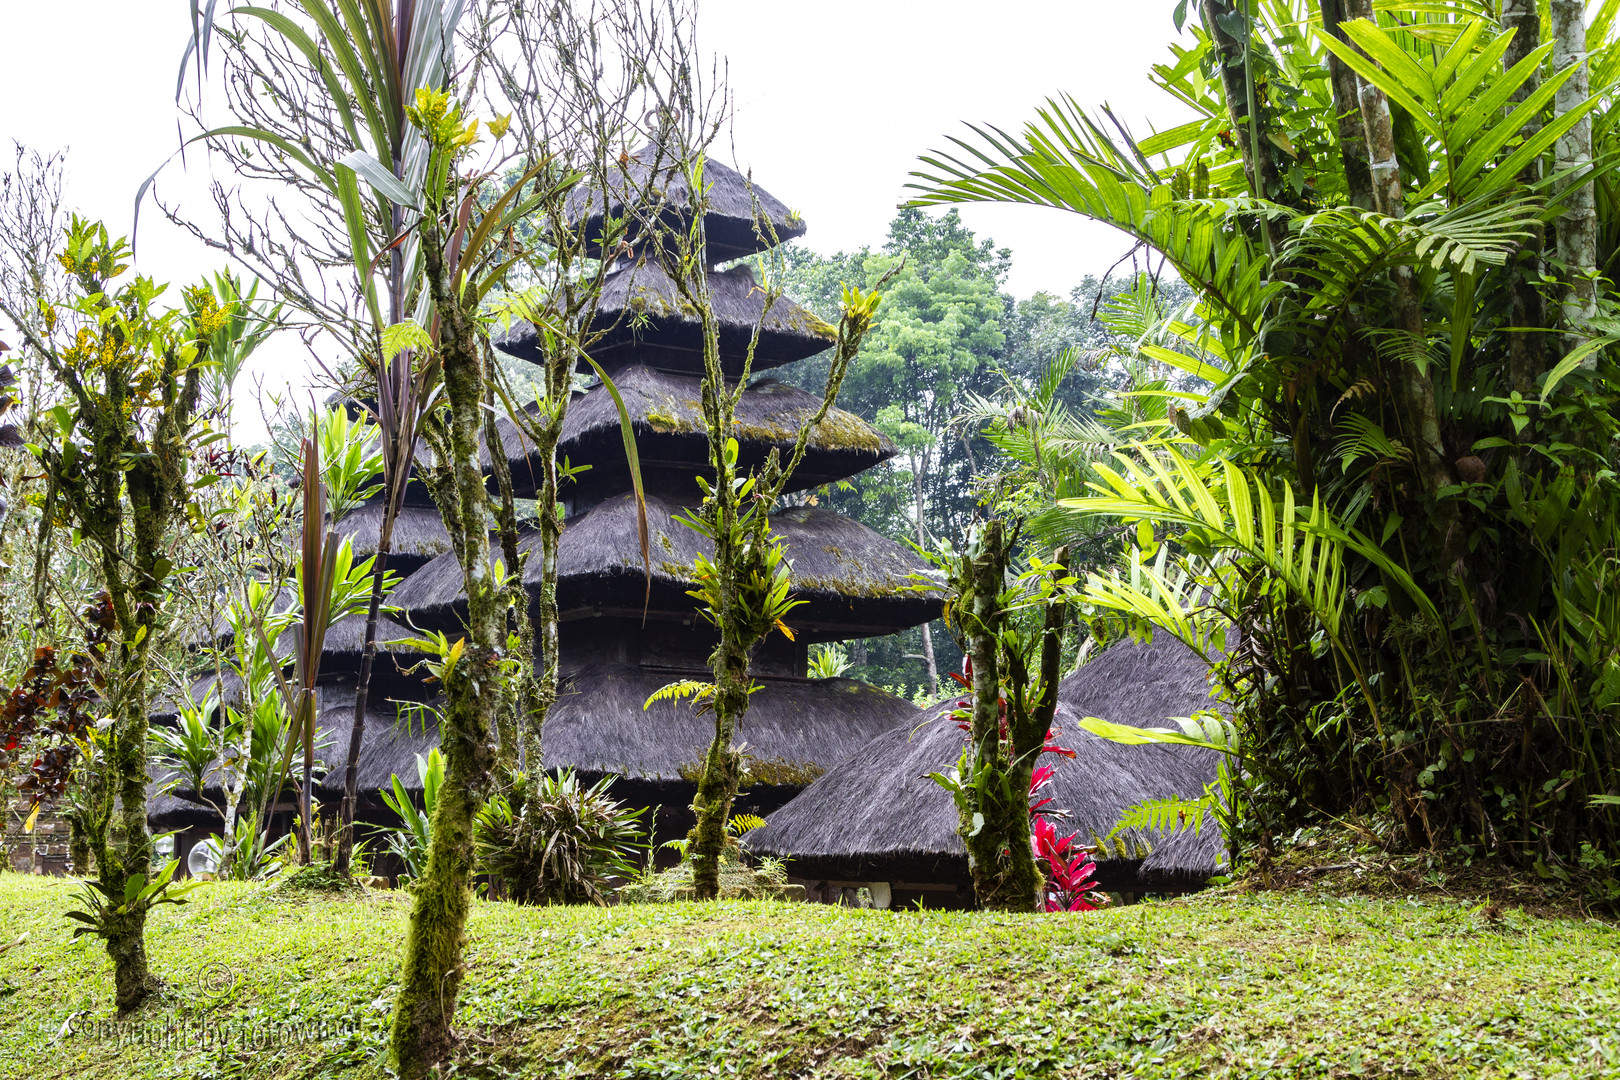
265	984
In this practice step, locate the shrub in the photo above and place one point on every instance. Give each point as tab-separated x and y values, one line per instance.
409	841
548	840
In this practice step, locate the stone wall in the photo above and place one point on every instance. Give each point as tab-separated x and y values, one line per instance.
43	851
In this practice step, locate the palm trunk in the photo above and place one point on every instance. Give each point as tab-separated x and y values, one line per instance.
1232	58
1526	353
1347	107
1576	229
922	542
431	973
1413	388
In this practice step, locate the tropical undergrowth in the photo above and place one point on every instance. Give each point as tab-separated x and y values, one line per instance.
1383	497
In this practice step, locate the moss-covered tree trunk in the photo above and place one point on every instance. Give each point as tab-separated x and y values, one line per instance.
548	661
995	814
156	489
509	720
116	863
722	765
474	685
1010	716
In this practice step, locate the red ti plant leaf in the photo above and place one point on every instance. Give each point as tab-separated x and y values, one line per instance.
1068	866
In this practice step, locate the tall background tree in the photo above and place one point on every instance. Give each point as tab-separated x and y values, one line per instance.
122	455
947	332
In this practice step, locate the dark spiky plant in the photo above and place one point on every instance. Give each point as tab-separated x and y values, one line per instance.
322	561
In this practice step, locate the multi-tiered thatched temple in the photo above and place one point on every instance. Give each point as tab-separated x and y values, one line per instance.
618	646
870	817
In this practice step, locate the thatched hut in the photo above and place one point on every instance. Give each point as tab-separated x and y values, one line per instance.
644	320
878	818
621	641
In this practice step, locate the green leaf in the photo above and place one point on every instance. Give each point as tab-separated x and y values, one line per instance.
1140	736
354	219
382	178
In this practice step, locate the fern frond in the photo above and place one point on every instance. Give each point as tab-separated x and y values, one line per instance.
677	691
1169	815
744	823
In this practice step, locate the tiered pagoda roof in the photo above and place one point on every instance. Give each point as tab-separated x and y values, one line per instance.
621	642
739	220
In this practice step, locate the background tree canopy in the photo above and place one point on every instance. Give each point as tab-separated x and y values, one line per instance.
947	330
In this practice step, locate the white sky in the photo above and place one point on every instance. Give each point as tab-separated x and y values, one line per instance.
835	100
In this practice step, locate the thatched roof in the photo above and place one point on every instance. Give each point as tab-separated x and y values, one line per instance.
167	811
419	535
877	816
644	320
393	736
666	410
735	209
794	728
856	582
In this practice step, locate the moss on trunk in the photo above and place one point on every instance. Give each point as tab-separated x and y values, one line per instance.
474	686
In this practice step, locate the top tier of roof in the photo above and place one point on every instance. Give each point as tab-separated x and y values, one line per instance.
741	218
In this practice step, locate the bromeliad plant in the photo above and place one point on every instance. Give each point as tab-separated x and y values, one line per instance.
552	840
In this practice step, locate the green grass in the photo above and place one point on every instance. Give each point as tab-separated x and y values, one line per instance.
1243	986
